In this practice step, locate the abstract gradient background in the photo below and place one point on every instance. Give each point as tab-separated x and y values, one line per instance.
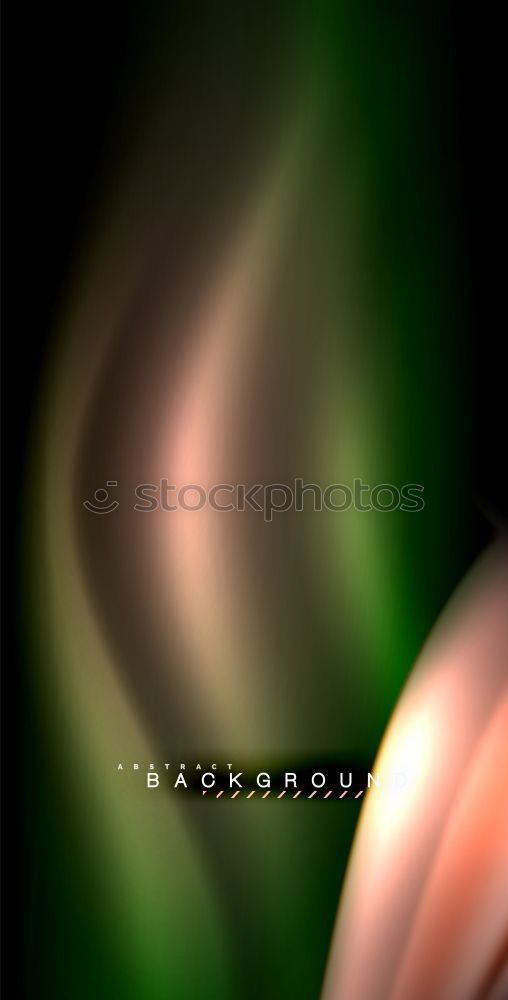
265	282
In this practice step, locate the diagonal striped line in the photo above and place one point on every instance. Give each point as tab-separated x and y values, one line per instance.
343	794
235	794
297	794
219	794
312	794
251	794
266	794
281	794
357	796
328	793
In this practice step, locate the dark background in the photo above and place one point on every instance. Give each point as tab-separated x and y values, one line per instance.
62	69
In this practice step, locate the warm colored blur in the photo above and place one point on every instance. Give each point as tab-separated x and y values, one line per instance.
266	288
425	907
